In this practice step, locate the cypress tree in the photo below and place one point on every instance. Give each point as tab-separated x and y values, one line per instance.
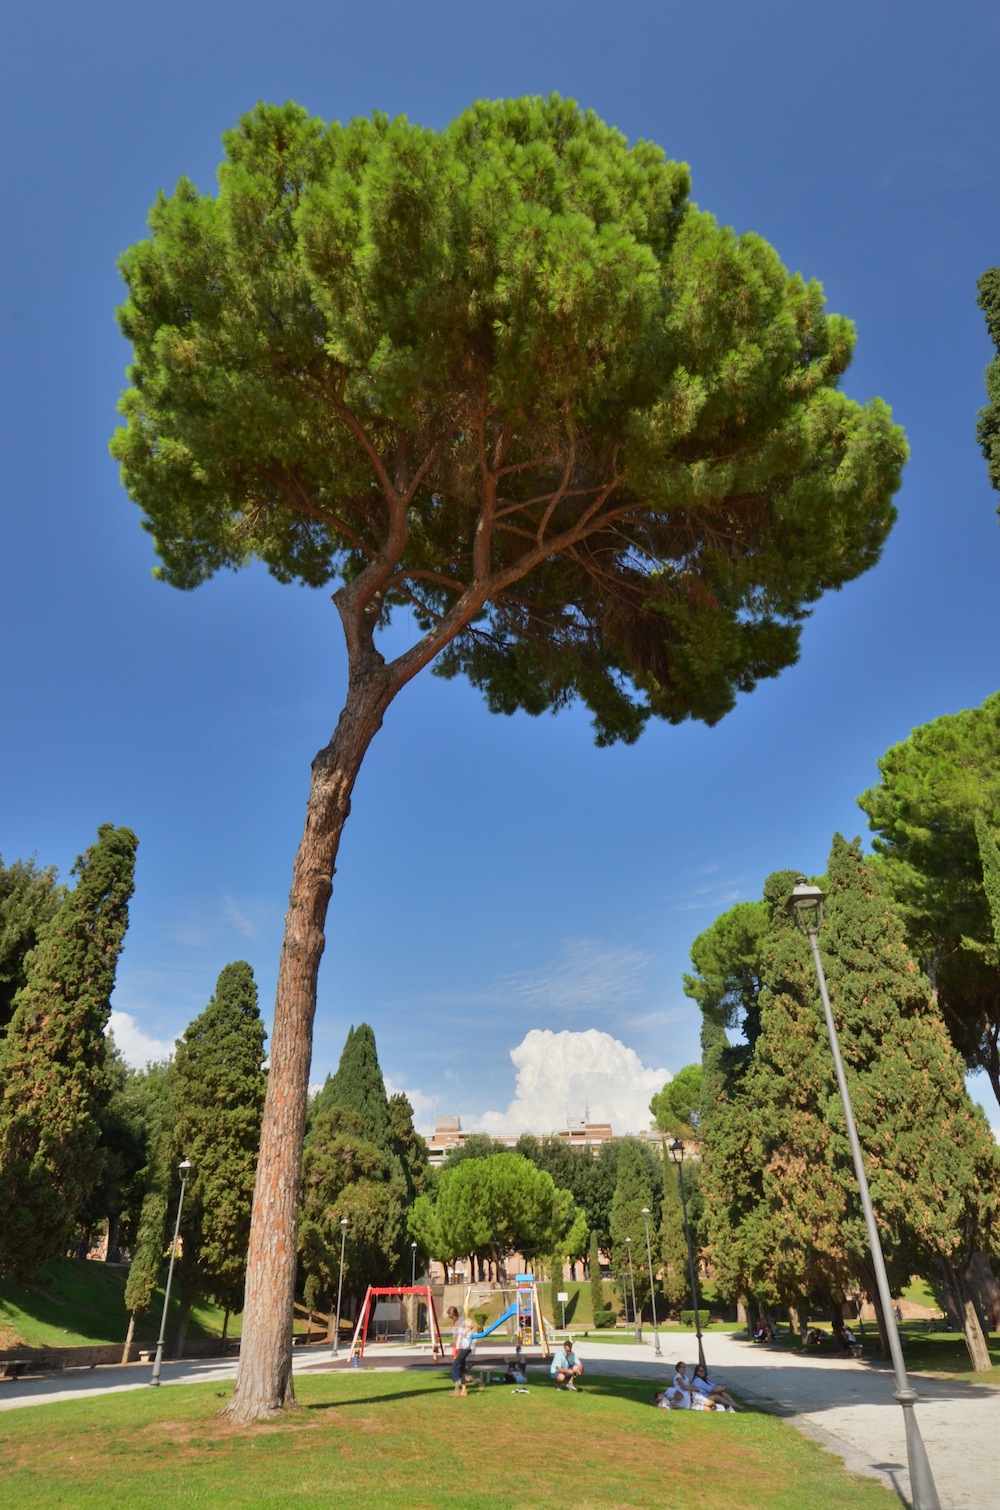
29	898
633	1191
596	1283
410	1146
988	428
158	1175
52	1057
989	854
363	1160
358	1087
784	1206
218	1087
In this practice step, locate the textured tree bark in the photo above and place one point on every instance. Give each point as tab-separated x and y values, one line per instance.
127	1349
979	1352
264	1378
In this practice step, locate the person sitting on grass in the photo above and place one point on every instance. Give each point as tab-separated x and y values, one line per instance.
566	1367
717	1395
678	1395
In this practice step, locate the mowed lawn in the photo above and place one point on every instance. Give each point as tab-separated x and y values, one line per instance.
401	1440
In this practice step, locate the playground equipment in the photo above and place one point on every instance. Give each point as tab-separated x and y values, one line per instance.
361	1330
525	1312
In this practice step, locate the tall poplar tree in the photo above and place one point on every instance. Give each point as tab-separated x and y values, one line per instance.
218	1086
506	378
52	1057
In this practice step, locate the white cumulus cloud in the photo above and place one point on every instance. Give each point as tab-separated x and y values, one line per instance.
566	1076
137	1047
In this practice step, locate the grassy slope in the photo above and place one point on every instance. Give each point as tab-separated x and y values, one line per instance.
402	1442
76	1302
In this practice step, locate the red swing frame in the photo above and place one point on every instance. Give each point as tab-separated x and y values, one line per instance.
361	1330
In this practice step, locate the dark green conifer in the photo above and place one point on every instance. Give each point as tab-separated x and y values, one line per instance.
52	1057
218	1087
988	429
633	1191
358	1087
784	1208
29	897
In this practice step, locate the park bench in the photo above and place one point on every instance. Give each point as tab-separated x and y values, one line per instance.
13	1368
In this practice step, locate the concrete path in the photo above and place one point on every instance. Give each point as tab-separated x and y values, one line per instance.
845	1405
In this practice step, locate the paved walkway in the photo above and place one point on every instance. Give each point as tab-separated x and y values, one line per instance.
844	1404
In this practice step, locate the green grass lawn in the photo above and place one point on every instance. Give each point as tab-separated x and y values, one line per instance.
401	1442
76	1301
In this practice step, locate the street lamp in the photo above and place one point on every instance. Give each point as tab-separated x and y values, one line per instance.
677	1154
185	1169
652	1295
806	907
340	1286
413	1265
631	1280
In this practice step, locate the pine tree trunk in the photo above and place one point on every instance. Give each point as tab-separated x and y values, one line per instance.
225	1329
975	1342
183	1317
264	1378
980	1272
126	1350
112	1253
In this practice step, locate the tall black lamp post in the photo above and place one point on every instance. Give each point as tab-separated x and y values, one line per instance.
677	1154
806	907
652	1293
184	1167
340	1286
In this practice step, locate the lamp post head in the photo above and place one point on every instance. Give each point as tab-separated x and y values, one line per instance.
628	1242
185	1167
414	1247
806	906
676	1150
343	1224
645	1210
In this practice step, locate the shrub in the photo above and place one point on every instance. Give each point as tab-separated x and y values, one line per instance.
704	1317
604	1319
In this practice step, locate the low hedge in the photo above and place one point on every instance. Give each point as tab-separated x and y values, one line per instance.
704	1317
604	1320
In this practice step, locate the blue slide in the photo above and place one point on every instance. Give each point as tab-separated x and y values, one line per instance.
510	1312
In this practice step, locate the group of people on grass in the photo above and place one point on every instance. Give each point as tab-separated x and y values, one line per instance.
696	1392
565	1368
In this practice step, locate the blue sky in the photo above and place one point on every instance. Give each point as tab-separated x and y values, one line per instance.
503	885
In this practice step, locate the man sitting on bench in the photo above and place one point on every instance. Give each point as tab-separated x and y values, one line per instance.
566	1367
